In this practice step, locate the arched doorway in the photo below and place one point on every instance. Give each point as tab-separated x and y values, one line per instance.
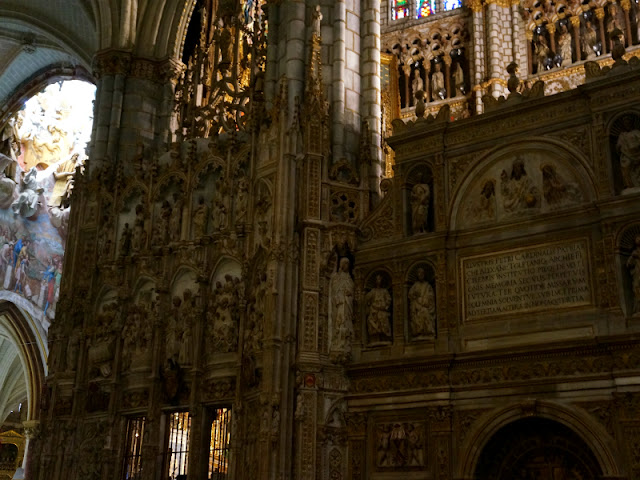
536	449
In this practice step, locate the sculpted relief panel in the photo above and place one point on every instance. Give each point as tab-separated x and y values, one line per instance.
517	185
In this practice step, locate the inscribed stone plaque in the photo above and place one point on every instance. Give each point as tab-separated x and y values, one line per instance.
528	279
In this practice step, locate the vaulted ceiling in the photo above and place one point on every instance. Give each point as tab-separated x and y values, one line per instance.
13	381
40	36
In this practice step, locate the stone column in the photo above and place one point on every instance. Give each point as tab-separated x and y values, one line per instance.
551	28
478	61
338	83
575	24
371	93
600	17
529	35
447	75
626	8
499	43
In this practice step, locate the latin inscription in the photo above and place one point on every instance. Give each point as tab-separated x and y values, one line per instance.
554	276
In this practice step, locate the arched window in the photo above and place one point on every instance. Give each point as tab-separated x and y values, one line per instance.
452	4
424	8
399	9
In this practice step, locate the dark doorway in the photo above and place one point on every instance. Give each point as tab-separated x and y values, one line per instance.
536	449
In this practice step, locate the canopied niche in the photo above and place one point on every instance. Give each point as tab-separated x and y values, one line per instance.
624	144
629	269
419	200
521	180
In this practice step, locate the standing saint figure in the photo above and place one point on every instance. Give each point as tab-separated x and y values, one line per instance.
564	43
316	22
200	217
420	196
437	83
422	308
633	264
417	85
542	52
589	40
378	301
341	288
175	222
458	79
628	147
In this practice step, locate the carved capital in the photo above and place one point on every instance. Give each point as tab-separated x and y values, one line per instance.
599	13
475	5
575	21
551	28
111	62
626	5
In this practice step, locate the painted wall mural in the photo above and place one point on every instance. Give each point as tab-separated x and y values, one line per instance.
42	148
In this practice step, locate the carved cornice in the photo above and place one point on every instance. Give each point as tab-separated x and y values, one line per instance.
544	366
499	3
121	62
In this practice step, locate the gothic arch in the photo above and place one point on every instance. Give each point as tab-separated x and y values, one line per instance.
569	163
17	327
592	434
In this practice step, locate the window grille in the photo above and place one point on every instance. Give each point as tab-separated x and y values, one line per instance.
177	453
133	453
220	444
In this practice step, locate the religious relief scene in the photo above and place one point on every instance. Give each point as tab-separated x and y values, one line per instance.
320	240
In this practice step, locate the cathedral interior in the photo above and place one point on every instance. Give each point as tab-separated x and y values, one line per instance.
319	240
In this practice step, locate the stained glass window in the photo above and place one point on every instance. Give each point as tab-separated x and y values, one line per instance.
424	8
452	4
400	9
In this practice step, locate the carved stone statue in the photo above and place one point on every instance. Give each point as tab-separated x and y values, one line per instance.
223	316
139	232
242	199
220	210
422	308
200	218
316	22
542	52
589	41
565	44
615	26
175	222
161	227
125	240
188	318
437	84
628	147
633	264
518	191
556	190
420	196
26	205
458	79
341	289
417	85
378	302
64	181
484	208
